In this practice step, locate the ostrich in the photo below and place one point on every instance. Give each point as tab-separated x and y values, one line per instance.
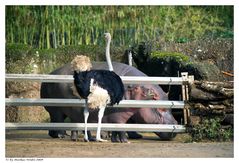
99	87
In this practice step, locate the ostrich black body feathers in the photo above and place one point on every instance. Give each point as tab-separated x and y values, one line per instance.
105	79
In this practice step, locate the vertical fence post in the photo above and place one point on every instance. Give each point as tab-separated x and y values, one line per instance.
190	82
185	95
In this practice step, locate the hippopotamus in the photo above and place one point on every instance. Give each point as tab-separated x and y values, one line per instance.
111	115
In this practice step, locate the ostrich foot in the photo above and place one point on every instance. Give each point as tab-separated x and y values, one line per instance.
86	140
101	140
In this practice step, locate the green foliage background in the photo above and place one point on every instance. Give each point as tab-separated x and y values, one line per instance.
47	27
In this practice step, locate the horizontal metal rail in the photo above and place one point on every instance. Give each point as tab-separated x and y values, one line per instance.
93	126
69	79
81	103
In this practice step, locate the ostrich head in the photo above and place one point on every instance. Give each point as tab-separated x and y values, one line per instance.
81	63
107	36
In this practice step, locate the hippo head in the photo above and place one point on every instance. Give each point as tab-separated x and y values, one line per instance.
154	92
158	115
165	115
138	92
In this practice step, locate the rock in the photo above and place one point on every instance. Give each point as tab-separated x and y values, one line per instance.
203	70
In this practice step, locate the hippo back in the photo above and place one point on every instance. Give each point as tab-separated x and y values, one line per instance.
63	88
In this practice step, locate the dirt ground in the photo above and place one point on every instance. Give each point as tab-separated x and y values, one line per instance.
39	144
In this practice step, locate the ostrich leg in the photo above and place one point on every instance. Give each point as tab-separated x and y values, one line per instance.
86	115
100	116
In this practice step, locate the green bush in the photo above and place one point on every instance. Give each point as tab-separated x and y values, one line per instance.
18	58
16	52
178	57
211	129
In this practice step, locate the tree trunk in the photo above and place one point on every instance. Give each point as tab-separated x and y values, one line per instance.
201	95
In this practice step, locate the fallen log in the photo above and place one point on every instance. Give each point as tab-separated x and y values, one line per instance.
211	91
219	84
225	89
200	109
217	107
207	100
196	94
199	106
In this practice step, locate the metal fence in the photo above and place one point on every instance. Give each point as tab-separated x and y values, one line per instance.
105	126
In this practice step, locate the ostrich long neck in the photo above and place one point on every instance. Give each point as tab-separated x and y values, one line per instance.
110	66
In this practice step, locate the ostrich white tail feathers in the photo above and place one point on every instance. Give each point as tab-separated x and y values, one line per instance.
98	96
81	63
107	51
